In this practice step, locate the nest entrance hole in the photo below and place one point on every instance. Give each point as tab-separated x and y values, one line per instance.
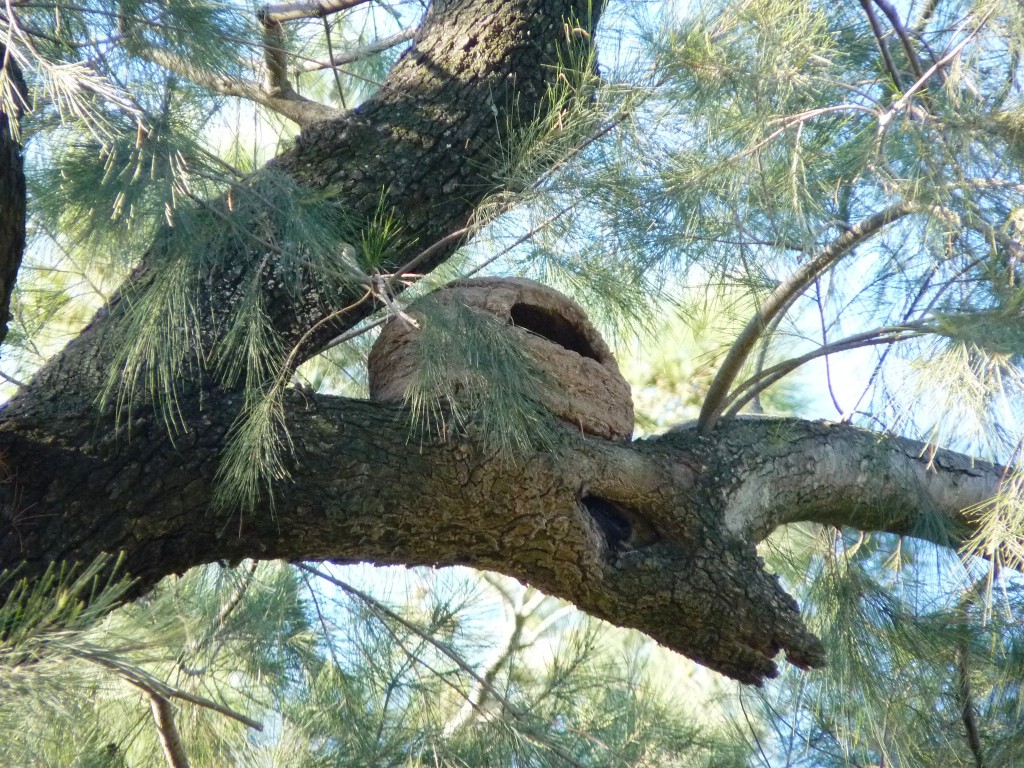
548	324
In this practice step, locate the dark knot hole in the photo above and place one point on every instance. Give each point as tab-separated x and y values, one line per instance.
618	524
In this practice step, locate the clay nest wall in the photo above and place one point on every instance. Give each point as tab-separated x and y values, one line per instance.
586	388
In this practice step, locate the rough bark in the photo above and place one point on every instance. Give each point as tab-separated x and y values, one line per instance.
657	535
12	192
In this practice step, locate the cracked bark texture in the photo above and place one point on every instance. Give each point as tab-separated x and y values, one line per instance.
12	194
658	535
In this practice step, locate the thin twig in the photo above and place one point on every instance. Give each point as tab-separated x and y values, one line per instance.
358	54
304	9
544	224
146	682
289	104
384	611
170	739
12	380
799	119
334	70
426	253
353	333
883	47
923	79
780	298
824	343
237	594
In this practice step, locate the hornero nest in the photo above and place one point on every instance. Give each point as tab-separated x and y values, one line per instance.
584	387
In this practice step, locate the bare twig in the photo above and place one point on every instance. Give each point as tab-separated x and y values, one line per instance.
780	298
358	54
824	343
296	108
146	682
883	47
758	383
798	120
304	9
330	56
170	739
901	31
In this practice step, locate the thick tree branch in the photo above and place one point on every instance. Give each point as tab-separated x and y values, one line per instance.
687	510
787	470
304	9
13	99
427	148
657	535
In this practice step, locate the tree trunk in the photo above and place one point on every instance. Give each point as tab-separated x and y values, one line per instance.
12	190
658	535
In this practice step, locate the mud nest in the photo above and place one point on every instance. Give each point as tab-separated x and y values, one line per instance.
586	387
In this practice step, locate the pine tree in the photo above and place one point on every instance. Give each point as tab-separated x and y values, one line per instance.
240	198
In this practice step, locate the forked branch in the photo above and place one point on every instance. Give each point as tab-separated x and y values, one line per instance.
718	394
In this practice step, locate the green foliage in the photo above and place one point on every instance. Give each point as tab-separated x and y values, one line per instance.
338	676
711	159
470	370
910	661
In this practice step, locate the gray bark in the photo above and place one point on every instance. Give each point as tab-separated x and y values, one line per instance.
658	535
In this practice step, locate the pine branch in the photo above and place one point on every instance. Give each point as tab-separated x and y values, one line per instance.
383	611
717	397
883	47
286	102
170	739
764	379
146	682
358	54
476	698
901	31
304	9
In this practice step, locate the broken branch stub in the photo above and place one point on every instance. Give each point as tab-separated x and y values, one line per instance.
587	389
